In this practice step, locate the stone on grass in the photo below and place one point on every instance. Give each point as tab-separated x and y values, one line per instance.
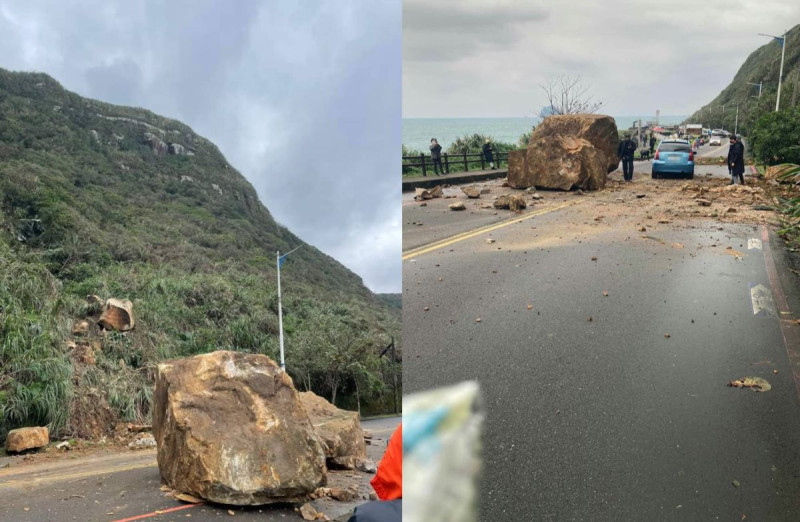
230	428
23	439
117	315
339	431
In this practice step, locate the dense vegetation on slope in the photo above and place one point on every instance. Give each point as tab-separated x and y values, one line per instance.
762	65
120	202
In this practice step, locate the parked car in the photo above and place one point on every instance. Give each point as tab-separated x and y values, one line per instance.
715	140
673	157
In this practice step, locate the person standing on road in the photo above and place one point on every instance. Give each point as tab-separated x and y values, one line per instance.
487	153
652	143
736	159
625	152
436	156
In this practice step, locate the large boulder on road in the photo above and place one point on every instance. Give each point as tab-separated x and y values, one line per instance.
339	431
230	428
558	153
23	439
563	162
516	163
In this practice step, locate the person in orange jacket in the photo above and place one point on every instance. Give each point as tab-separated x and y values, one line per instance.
388	484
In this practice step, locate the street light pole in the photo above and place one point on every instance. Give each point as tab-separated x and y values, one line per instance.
780	74
279	261
782	40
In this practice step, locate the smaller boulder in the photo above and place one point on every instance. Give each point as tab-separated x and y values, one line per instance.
177	149
117	315
421	194
457	206
338	430
27	438
513	202
80	328
472	192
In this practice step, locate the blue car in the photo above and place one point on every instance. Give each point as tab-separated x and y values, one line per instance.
673	157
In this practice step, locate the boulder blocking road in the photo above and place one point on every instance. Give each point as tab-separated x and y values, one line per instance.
127	486
603	329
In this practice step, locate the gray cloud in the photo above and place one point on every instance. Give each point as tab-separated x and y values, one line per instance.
637	56
304	99
444	31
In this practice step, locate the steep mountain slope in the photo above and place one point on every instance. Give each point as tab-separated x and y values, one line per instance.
762	65
120	202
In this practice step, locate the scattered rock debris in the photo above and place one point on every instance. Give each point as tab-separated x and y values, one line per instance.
754	383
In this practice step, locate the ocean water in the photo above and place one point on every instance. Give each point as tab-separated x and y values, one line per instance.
417	132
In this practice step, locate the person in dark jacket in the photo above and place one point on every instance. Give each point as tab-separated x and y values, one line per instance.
736	160
652	143
436	156
625	152
487	153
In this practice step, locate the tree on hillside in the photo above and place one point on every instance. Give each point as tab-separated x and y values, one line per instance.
776	137
568	95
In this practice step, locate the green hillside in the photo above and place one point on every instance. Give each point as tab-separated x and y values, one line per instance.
120	202
762	65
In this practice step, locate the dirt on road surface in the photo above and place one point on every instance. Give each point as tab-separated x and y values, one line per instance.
644	205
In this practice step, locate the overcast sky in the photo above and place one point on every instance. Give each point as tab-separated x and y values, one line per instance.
481	58
304	98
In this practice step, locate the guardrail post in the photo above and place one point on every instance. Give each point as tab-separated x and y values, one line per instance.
446	164
466	167
422	161
483	161
498	160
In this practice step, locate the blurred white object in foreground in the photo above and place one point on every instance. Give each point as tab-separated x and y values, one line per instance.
442	454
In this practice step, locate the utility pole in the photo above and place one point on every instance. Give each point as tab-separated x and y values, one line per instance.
782	40
736	125
279	261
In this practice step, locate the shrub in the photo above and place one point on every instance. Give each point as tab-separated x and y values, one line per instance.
776	137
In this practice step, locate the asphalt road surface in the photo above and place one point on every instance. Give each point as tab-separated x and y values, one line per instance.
126	486
603	355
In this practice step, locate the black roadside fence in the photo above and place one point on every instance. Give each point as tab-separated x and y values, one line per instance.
422	164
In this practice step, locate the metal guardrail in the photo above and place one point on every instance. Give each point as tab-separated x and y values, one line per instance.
452	162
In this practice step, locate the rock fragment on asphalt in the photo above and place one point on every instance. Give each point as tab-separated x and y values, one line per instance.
471	191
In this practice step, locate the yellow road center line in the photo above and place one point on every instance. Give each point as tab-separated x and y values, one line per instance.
58	477
472	233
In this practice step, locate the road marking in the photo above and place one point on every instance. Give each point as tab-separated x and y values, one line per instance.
49	479
425	249
159	512
754	243
763	304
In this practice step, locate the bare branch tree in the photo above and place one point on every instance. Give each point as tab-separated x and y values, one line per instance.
568	95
